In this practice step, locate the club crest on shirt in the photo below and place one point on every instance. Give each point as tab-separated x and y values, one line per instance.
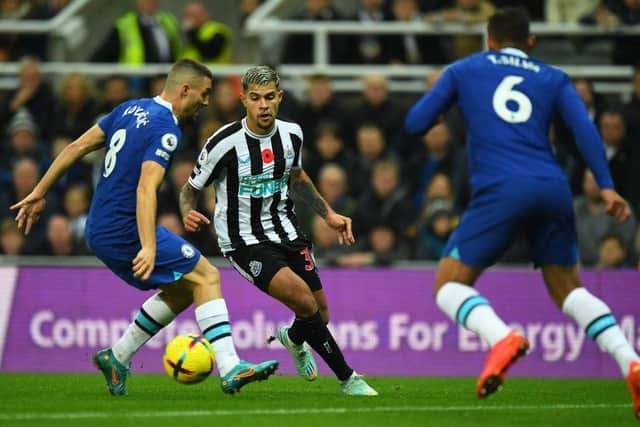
187	251
255	267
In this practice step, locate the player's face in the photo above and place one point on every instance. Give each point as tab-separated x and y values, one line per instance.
195	97
261	103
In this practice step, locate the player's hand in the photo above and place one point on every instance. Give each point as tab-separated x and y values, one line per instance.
194	220
617	207
342	224
143	263
30	209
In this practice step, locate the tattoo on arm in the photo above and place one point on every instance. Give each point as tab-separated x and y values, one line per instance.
303	188
188	199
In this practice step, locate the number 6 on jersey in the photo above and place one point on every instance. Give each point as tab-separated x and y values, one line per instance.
505	93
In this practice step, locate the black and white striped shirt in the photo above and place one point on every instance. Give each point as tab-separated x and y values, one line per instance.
250	174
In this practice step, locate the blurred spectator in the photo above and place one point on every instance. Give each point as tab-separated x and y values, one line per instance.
593	223
376	106
207	40
564	140
11	239
22	142
207	129
386	201
632	108
155	85
382	248
329	147
299	48
247	7
614	136
465	12
369	48
437	155
24	178
332	185
412	48
619	12
325	241
115	91
32	94
435	225
559	11
612	253
319	106
225	105
76	205
77	109
145	35
60	241
80	172
371	147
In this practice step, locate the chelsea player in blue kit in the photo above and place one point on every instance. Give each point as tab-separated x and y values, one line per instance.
508	101
140	137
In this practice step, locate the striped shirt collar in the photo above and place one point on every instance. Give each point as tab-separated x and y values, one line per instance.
255	135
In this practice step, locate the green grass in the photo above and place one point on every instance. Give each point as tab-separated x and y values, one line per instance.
82	400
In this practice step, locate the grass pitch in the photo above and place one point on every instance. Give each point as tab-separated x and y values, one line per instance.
82	400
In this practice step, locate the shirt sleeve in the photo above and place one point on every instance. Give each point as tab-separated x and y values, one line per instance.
573	112
424	113
212	160
163	142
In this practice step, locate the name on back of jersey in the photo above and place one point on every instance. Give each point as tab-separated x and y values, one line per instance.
514	61
263	185
142	115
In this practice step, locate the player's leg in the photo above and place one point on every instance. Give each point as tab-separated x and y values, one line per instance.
465	306
485	231
308	326
213	319
596	318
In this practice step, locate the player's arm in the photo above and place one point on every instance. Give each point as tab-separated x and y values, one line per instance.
191	218
426	110
302	188
151	176
591	148
31	207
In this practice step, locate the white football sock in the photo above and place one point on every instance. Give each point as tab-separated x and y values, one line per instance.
154	315
465	306
595	317
213	319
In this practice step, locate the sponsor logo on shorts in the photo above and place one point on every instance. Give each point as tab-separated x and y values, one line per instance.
255	267
187	251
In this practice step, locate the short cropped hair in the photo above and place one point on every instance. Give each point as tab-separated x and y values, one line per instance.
510	24
187	69
260	75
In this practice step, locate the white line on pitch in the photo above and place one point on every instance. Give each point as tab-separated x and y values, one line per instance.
298	411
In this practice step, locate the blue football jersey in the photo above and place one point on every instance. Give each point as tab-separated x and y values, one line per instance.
508	101
136	131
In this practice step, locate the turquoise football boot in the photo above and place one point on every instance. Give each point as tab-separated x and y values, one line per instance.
114	372
244	373
305	363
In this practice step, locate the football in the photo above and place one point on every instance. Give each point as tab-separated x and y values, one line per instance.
189	359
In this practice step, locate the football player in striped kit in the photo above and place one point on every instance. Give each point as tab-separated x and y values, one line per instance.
254	165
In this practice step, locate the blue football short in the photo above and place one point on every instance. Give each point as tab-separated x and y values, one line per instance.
539	209
175	257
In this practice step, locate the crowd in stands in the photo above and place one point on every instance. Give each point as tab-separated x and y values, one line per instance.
405	193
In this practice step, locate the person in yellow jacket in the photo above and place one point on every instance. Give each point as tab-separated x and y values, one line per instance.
145	35
208	41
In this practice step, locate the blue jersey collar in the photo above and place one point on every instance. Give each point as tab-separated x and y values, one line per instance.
513	51
166	105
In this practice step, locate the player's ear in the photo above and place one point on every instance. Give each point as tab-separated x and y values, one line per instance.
531	41
492	44
184	88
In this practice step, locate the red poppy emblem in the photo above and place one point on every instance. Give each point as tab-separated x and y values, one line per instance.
267	155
